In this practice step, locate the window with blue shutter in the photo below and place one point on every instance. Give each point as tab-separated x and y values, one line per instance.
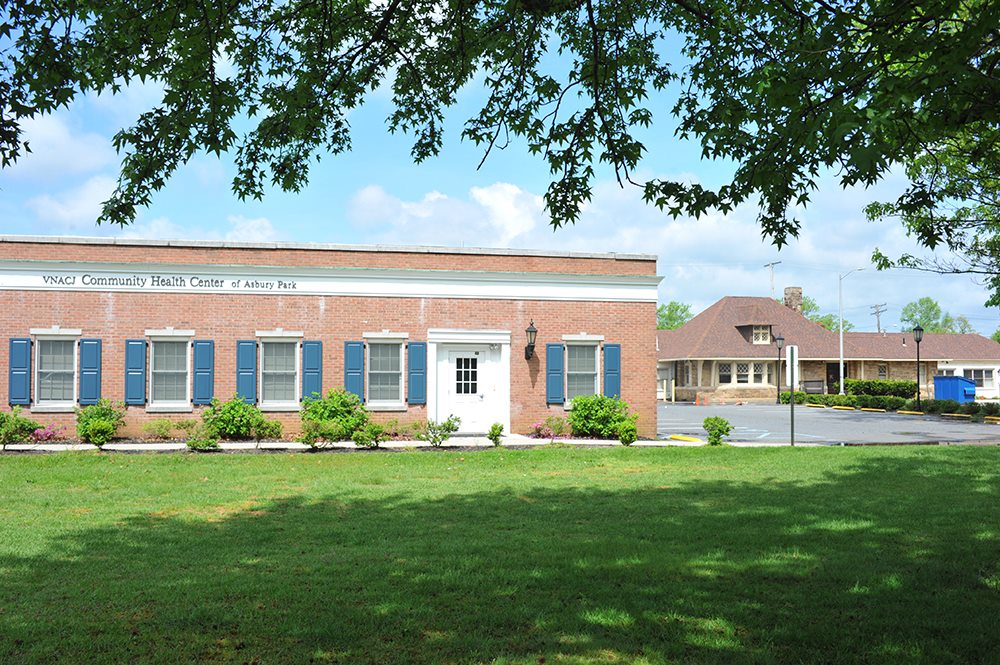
90	371
204	372
354	368
312	369
416	367
246	370
19	371
613	370
135	371
554	373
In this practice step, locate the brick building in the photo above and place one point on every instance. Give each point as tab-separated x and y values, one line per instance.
417	332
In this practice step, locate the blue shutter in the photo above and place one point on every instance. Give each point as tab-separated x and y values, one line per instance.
312	368
135	371
204	372
19	371
354	368
90	371
246	370
613	370
554	373
416	368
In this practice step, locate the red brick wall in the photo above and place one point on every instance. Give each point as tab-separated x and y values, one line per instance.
323	258
115	317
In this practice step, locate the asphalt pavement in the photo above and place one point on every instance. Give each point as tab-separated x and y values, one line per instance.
770	424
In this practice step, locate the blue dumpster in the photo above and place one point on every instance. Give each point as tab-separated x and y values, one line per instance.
958	388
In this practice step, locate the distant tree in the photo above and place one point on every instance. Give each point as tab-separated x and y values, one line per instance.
928	313
831	322
996	336
672	315
809	307
962	325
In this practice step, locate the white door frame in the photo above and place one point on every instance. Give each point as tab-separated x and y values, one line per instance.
437	336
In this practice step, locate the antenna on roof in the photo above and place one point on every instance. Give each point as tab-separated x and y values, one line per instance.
771	266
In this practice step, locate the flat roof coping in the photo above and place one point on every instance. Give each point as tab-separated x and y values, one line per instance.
413	249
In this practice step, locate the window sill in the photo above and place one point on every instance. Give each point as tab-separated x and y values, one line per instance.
169	408
385	406
53	408
280	406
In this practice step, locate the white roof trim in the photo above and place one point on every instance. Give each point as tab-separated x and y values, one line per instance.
56	331
385	334
280	332
168	332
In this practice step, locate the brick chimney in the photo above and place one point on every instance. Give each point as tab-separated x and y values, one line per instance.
793	298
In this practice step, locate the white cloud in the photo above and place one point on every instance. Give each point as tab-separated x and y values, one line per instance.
700	260
59	150
241	229
76	208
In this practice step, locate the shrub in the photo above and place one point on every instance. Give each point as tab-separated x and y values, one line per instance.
495	434
161	428
47	433
716	428
970	408
905	389
335	417
628	433
599	416
800	397
887	402
234	419
991	409
98	423
268	429
438	433
551	428
369	436
202	437
98	431
187	425
15	428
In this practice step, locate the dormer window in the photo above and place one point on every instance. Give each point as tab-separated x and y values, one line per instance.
762	334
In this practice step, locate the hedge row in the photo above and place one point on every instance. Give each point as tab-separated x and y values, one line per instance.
905	389
887	402
890	403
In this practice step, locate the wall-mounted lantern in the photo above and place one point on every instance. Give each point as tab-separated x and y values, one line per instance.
531	332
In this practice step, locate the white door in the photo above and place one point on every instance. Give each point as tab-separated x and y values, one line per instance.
467	387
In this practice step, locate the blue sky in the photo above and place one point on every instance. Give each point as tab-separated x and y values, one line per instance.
375	194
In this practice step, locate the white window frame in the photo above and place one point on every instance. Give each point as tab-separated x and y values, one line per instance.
718	372
170	335
55	334
386	337
582	339
766	330
987	375
280	336
882	371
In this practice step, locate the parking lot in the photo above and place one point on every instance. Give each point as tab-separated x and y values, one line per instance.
769	424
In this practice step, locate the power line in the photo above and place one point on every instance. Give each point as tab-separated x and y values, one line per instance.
878	310
771	266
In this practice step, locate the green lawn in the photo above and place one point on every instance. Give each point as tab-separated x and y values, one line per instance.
553	555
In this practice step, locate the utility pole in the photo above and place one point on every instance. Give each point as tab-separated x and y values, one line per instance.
771	266
878	311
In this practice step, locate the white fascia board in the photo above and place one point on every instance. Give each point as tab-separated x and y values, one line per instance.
279	280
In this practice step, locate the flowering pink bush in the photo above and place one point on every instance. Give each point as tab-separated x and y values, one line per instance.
47	433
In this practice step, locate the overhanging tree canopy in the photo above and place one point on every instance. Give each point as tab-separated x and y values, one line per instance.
783	89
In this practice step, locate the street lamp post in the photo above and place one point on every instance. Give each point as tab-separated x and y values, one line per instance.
918	334
779	342
840	291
